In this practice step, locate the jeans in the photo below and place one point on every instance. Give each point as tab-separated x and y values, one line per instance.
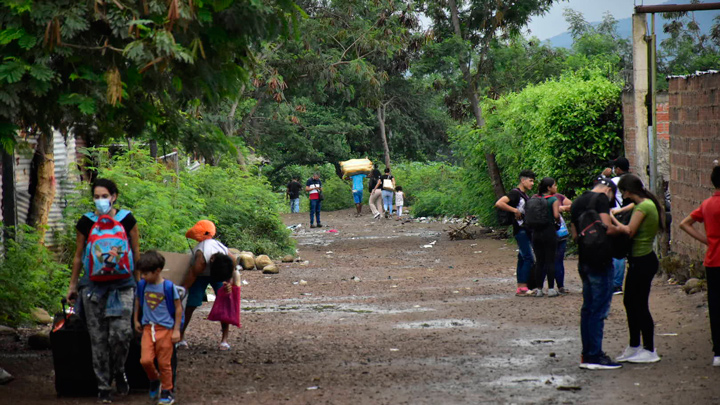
387	196
637	293
560	262
525	257
315	206
619	266
597	295
544	242
295	205
712	275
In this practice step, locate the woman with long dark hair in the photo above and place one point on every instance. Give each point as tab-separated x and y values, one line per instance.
106	289
646	220
544	241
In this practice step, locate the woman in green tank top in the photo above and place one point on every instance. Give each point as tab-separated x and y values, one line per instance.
647	219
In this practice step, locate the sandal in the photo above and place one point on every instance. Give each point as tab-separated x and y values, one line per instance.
224	346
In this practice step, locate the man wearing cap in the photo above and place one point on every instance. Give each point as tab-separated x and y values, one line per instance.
597	277
198	278
621	167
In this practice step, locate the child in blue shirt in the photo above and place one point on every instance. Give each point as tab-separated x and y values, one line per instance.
159	302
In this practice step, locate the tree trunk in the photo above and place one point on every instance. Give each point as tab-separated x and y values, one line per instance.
383	137
9	200
230	128
153	149
44	193
493	169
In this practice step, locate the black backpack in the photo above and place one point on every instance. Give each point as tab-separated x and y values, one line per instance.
537	214
621	244
506	218
594	244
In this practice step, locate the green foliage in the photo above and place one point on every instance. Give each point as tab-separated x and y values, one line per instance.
337	192
432	189
30	277
243	207
563	128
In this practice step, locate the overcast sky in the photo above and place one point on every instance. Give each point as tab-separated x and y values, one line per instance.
553	23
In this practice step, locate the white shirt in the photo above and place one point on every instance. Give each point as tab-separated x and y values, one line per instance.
209	247
399	198
618	194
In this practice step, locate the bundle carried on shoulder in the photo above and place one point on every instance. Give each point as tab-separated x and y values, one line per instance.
356	166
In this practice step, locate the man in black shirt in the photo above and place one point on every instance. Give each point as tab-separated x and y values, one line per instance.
293	193
597	278
514	202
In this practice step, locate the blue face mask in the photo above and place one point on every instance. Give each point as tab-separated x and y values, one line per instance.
103	205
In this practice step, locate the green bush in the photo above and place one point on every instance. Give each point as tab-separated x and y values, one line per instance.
166	205
30	277
432	189
566	129
337	192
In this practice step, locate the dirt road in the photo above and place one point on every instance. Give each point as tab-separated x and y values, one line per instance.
418	325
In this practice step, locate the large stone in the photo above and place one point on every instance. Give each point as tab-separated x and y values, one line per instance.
271	269
692	284
41	316
288	259
5	377
262	261
246	260
39	340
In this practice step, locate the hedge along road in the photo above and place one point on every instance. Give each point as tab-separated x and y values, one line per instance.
418	325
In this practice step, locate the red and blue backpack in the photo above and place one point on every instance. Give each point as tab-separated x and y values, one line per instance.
108	255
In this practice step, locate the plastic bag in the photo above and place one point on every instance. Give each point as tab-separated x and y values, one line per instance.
226	308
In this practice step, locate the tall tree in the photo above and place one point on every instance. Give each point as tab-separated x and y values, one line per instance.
474	25
105	62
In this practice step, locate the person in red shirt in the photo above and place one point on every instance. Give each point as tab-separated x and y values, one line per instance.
709	214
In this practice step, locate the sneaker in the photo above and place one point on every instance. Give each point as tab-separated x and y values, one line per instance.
627	353
617	291
644	356
376	216
522	292
387	215
563	291
319	225
182	345
552	292
154	390
121	385
716	361
105	397
539	293
166	398
601	362
312	226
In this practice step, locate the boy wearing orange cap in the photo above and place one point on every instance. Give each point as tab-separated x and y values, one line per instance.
198	278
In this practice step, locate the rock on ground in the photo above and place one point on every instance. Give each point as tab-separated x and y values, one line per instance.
41	316
262	261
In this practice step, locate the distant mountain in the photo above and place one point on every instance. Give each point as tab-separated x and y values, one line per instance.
624	27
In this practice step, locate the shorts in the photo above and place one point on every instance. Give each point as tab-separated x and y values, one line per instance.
358	196
197	290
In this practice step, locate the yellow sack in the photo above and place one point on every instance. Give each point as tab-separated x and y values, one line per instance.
356	166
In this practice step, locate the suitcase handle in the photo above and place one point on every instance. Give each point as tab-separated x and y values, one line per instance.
63	301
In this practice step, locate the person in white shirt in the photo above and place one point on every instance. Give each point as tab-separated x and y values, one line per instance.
198	277
399	200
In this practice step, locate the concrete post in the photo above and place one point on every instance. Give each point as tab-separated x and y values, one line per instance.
640	86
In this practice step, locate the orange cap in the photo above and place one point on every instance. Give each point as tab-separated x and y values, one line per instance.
202	230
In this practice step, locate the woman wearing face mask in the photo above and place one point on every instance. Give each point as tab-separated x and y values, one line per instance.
106	290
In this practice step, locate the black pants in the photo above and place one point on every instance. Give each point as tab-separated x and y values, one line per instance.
544	243
637	293
712	274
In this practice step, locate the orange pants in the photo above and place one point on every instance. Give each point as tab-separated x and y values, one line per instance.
162	350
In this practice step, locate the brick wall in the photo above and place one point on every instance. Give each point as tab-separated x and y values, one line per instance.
663	133
695	142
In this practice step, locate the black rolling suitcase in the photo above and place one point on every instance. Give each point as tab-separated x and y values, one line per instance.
135	373
72	356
